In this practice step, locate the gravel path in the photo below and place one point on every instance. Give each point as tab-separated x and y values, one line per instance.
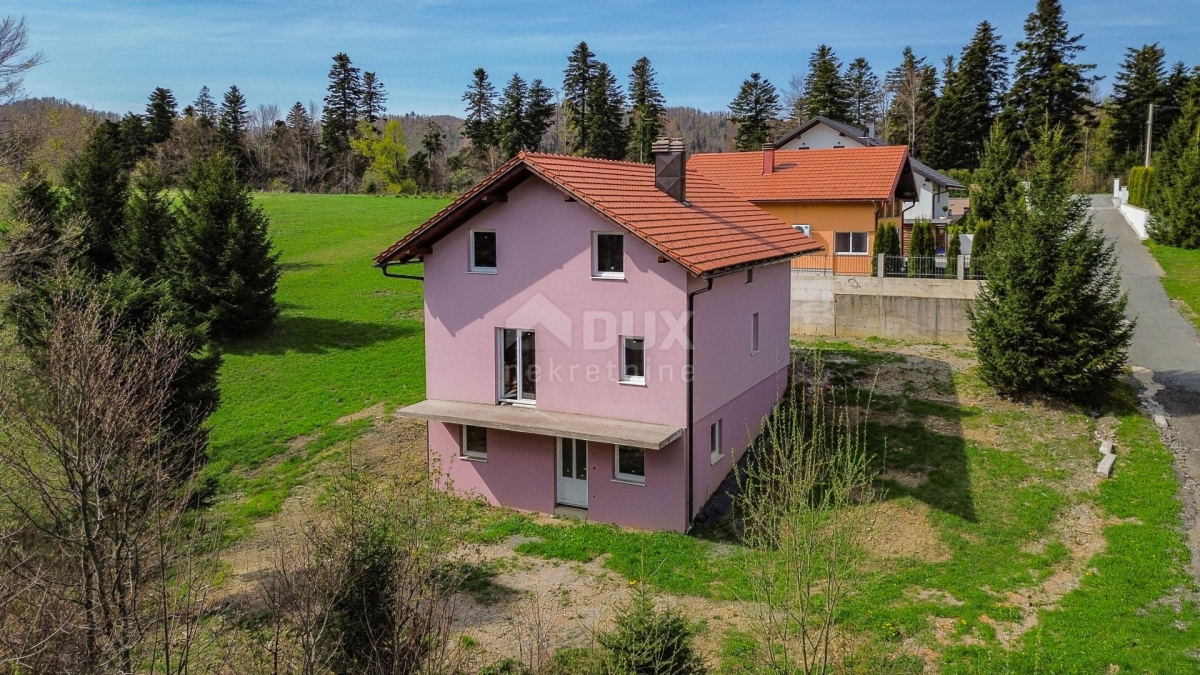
1165	355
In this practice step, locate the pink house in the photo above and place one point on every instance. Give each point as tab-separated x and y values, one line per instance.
604	336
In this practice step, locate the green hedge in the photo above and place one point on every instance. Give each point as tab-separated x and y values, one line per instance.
1141	182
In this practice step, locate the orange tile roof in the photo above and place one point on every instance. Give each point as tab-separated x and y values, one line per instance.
842	174
714	231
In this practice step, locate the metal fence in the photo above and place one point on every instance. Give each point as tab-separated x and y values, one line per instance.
824	264
913	267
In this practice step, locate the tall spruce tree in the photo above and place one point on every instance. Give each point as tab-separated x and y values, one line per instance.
864	93
1051	317
577	90
605	116
511	120
1175	203
996	180
374	98
539	115
339	119
479	127
825	93
913	88
970	100
233	119
205	107
298	119
143	245
222	263
647	110
97	182
161	112
1142	81
1050	88
755	111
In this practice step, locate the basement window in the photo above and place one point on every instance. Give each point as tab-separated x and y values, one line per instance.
483	251
474	442
715	442
850	243
629	465
608	255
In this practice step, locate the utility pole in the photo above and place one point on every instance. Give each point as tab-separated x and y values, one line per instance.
1149	132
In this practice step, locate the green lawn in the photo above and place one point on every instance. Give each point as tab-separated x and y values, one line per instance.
1182	280
347	338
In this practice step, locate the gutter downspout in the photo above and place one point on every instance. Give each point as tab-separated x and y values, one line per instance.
691	382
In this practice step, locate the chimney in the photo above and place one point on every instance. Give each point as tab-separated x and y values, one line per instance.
670	167
871	130
768	159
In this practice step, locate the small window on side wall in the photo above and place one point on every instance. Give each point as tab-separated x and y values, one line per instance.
474	442
850	243
754	333
633	360
608	255
629	465
715	441
750	275
483	251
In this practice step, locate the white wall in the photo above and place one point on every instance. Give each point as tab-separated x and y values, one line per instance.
820	137
1137	218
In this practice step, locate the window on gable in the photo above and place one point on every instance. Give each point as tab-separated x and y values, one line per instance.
474	442
483	251
850	243
629	464
750	275
608	255
715	441
633	360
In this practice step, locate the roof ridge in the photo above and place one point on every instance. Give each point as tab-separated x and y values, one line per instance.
556	155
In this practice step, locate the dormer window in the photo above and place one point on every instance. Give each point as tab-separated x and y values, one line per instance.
483	252
608	255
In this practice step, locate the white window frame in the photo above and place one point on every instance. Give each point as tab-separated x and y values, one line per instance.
716	439
866	237
471	268
630	478
627	379
596	273
469	454
520	400
754	333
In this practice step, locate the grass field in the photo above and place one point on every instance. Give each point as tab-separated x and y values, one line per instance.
999	549
347	338
1182	280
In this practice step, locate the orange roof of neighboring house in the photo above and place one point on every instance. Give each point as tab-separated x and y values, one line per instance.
833	175
714	231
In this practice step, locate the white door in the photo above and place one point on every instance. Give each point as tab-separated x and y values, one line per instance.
572	472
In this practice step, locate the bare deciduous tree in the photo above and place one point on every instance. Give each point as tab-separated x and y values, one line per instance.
17	134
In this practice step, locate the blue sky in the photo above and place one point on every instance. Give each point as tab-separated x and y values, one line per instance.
110	54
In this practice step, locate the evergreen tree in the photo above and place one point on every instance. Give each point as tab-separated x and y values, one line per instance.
605	116
339	119
887	242
539	115
997	179
647	110
1050	88
374	96
864	93
1051	317
981	245
970	101
205	107
944	135
233	120
825	93
480	124
577	89
922	247
149	225
1142	81
755	111
510	122
96	182
160	115
133	139
953	250
298	119
913	87
1178	81
1175	204
222	263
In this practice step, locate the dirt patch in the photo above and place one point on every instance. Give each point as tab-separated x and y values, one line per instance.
374	412
901	529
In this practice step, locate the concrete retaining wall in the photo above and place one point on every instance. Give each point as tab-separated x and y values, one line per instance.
1135	217
900	308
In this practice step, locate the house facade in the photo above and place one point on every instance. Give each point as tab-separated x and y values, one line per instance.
933	187
601	336
836	196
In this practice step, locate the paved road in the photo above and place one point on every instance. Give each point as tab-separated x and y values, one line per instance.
1165	354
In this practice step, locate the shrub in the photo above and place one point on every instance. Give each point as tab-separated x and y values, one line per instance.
887	242
649	641
1141	185
922	248
1175	220
953	250
981	246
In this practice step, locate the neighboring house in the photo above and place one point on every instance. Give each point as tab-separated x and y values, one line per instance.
933	202
838	197
600	335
